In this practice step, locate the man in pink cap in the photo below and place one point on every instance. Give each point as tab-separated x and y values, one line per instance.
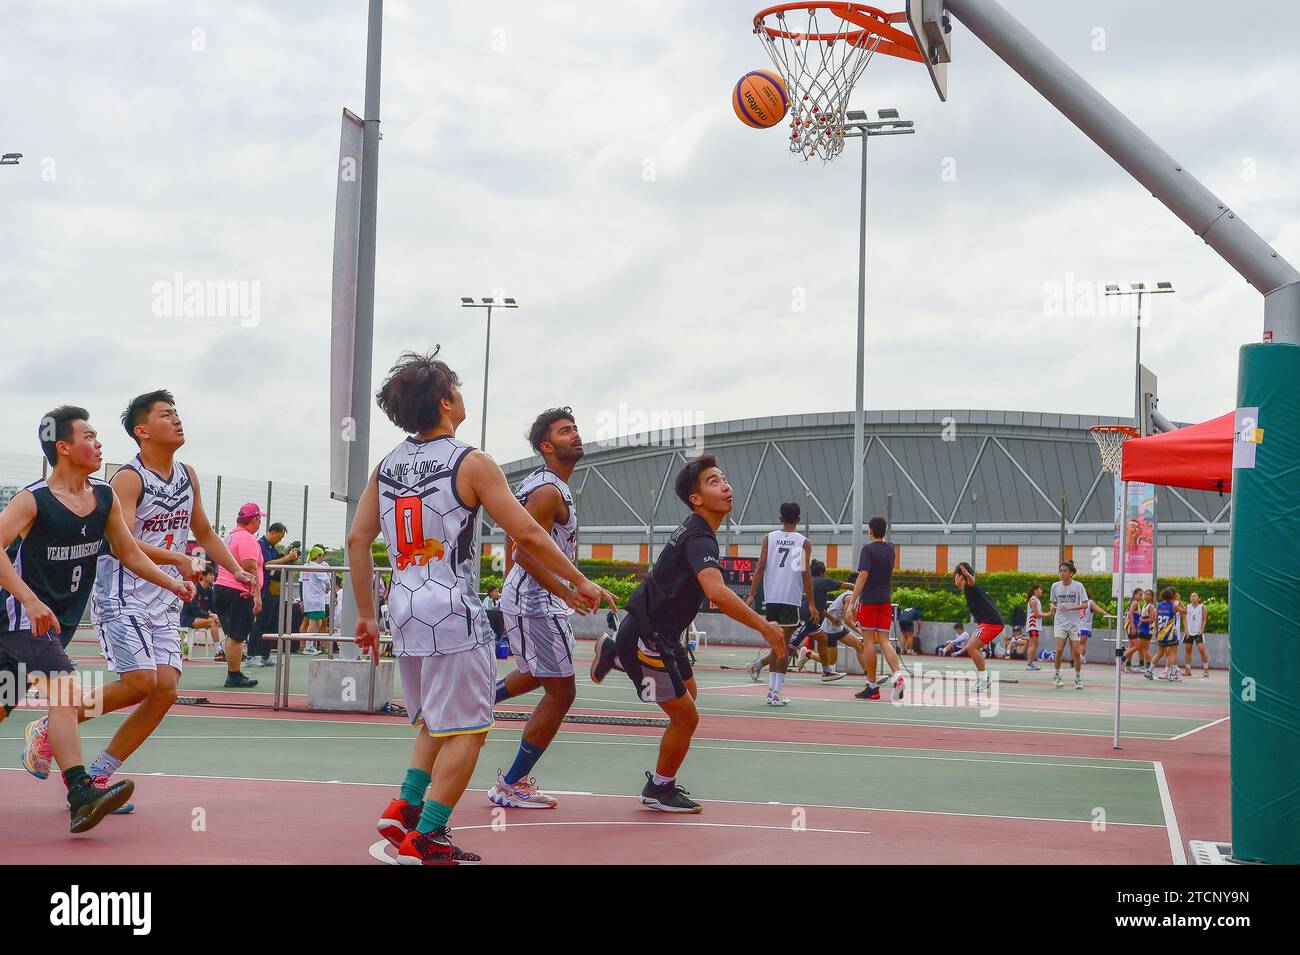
237	604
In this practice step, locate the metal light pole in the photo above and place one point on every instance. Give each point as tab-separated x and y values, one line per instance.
858	125
10	159
487	303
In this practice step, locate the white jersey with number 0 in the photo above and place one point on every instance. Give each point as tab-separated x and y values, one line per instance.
1195	619
521	594
162	518
432	607
783	574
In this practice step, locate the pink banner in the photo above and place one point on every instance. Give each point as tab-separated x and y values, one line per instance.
1139	544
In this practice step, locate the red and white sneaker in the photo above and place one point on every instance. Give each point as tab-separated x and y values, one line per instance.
398	819
521	795
433	848
36	756
897	693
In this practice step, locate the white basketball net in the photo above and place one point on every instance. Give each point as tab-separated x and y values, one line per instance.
819	76
1111	446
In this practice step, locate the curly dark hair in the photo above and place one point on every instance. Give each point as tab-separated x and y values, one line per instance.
415	386
541	428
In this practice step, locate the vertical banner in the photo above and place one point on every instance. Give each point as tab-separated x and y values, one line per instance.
1138	520
343	301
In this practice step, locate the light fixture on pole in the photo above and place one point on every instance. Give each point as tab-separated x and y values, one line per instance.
488	303
857	124
10	159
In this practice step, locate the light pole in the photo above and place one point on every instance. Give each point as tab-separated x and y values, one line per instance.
487	303
857	125
1139	289
10	159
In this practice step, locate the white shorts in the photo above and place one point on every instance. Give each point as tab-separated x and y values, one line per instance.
543	645
451	693
1067	629
138	643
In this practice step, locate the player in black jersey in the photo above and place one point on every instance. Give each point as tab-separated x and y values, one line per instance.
649	647
53	532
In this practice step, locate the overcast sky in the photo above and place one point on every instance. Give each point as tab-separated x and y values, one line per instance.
585	159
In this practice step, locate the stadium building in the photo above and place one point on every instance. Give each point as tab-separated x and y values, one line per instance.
1008	484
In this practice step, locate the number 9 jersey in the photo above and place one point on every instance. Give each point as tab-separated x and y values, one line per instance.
432	607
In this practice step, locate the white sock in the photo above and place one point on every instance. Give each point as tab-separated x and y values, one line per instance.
663	780
775	682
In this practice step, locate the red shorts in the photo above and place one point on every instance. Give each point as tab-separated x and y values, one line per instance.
875	616
988	632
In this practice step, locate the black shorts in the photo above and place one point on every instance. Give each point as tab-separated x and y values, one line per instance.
657	667
787	615
45	655
833	639
1194	638
235	611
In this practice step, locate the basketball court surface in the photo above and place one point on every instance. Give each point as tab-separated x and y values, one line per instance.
829	779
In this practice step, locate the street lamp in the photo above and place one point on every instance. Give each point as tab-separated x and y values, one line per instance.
489	303
10	159
859	125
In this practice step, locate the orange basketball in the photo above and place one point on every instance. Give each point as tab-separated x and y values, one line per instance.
760	99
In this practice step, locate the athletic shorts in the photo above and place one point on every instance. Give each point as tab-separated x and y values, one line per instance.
833	638
315	614
787	615
1171	641
1194	638
657	667
543	645
1085	633
44	655
875	616
235	611
451	694
138	643
1067	631
988	632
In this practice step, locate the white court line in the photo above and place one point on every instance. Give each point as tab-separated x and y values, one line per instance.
1176	850
719	802
1198	729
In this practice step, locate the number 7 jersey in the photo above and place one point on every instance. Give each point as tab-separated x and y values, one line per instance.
432	607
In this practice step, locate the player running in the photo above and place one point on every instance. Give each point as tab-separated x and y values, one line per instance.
53	532
986	615
648	646
537	605
784	571
424	496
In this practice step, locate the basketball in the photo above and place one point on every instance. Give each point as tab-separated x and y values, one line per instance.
760	99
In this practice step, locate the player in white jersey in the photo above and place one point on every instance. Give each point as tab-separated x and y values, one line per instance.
138	621
536	607
1195	614
424	497
1033	624
785	574
1069	601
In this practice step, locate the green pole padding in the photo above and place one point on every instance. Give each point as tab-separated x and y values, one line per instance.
1264	602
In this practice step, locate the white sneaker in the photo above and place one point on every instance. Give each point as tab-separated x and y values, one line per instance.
833	676
776	699
982	683
897	692
521	795
756	670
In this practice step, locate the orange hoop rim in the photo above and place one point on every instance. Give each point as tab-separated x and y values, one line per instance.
874	22
1114	429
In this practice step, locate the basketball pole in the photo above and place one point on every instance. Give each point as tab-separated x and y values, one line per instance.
859	411
363	335
1121	621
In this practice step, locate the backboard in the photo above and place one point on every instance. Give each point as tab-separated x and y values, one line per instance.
1149	400
932	29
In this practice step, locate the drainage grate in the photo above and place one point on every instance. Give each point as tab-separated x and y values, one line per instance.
583	718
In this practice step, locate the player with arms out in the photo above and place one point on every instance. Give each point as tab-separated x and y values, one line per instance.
987	618
53	532
648	647
424	497
536	606
785	565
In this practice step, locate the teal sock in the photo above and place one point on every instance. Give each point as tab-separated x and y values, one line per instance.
414	785
433	816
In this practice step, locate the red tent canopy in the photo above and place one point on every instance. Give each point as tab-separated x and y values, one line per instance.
1198	456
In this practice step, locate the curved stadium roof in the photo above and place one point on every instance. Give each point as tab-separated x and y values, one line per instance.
921	466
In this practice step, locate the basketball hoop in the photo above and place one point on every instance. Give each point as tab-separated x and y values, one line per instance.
821	60
1110	440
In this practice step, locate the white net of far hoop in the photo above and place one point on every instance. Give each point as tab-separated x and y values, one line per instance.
1110	445
820	52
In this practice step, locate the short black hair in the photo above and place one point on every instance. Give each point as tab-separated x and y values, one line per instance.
138	409
790	512
541	427
688	478
877	525
413	389
1067	563
816	567
277	526
56	426
966	570
852	577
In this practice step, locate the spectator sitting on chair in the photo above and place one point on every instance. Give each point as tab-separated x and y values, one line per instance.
957	644
908	618
198	614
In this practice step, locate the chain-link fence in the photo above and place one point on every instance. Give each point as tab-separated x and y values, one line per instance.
306	510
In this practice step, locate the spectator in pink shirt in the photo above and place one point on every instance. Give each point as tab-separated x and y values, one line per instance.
236	604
